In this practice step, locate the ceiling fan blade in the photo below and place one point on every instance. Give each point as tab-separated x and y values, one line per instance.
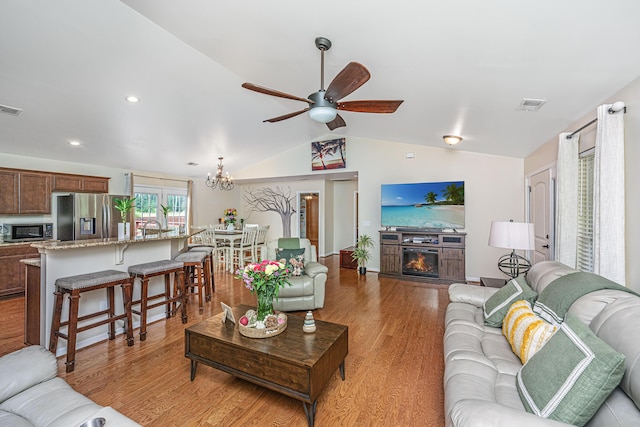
349	79
371	106
286	116
338	122
272	92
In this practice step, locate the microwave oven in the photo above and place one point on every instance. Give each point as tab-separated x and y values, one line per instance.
27	232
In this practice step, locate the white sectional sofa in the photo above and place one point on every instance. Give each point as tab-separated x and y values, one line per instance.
32	394
481	370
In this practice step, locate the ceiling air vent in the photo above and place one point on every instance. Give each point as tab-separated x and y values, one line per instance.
531	104
10	110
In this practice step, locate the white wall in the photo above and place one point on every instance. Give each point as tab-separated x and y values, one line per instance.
494	187
210	204
273	219
343	215
547	154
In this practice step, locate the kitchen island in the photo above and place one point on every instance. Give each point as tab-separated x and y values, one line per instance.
70	258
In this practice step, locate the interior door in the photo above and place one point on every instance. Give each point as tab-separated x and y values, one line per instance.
309	216
313	215
541	214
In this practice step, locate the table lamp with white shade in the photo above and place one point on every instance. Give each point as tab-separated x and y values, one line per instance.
514	236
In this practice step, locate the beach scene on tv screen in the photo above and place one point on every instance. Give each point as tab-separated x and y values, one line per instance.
423	205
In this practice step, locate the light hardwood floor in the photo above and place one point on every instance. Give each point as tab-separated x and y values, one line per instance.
394	368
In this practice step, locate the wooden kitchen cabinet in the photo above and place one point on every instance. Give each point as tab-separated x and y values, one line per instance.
9	196
12	271
25	192
80	183
35	193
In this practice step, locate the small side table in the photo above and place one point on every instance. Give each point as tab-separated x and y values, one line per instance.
492	283
346	261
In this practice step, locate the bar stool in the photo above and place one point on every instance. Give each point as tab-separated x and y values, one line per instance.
74	286
164	268
209	251
199	263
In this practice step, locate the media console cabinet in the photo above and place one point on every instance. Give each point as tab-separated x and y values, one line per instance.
434	257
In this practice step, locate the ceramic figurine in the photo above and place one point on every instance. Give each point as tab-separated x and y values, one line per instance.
309	324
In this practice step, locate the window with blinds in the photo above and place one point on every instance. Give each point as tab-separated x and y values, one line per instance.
585	211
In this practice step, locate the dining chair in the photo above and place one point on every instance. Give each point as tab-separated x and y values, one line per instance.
260	248
222	248
243	253
196	239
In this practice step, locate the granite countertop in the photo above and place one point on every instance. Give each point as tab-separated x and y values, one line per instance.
31	261
75	244
3	243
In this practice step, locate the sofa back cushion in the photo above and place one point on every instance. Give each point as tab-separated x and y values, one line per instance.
545	272
617	324
25	368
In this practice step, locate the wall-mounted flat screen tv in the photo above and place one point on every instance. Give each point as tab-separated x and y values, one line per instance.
436	205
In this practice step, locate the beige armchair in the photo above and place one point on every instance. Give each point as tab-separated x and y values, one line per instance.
307	291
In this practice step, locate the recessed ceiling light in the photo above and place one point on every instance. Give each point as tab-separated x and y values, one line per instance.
74	143
132	99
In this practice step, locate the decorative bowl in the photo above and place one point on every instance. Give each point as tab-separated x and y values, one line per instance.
253	332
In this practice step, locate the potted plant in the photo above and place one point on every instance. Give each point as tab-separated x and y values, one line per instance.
361	253
124	206
165	213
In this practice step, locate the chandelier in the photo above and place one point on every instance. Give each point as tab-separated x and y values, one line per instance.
220	181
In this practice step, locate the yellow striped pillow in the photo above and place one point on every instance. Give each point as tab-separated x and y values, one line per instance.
525	331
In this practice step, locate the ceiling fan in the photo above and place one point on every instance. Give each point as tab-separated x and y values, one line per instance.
324	104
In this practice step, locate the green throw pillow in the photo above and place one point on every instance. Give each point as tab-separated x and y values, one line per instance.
571	376
293	258
496	307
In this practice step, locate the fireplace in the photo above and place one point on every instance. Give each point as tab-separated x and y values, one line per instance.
420	261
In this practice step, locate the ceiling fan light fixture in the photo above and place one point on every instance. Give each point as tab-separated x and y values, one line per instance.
323	114
452	139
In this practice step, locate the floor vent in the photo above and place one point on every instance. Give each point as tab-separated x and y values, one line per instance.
10	110
531	104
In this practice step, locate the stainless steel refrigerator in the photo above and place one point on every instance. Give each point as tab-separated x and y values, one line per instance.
87	216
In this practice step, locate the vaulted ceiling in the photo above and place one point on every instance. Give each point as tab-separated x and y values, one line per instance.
461	67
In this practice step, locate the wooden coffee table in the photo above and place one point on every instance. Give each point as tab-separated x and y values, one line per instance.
300	364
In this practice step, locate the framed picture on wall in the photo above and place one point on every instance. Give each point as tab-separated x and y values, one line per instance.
330	154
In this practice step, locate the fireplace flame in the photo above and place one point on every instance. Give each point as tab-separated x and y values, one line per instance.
419	264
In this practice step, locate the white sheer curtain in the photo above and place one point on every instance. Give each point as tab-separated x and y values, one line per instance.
567	200
609	196
189	206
